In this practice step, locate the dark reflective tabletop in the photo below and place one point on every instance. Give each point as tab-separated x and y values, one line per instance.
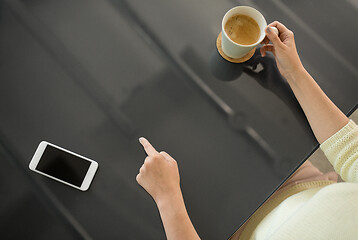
93	76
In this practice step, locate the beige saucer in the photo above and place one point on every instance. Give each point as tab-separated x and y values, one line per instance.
233	60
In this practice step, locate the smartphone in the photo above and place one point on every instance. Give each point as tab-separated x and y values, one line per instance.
63	165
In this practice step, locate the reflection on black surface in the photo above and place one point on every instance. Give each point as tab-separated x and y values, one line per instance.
269	77
224	70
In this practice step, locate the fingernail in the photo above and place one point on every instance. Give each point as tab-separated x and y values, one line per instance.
268	29
141	139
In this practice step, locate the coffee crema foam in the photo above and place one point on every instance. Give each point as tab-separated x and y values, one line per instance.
242	29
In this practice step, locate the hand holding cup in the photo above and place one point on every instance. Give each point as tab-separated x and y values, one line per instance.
284	49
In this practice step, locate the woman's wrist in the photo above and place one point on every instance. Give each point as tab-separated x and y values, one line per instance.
175	218
169	199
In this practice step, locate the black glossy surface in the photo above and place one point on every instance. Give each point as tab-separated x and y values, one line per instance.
93	76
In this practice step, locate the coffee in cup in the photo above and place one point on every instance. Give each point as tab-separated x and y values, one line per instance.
242	29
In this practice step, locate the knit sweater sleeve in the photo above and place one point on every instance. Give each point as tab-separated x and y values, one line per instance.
341	150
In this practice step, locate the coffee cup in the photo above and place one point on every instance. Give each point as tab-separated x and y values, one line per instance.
237	50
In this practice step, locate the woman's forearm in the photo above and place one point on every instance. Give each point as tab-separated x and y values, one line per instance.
323	115
175	218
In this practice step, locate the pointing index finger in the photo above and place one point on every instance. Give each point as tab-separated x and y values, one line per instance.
148	148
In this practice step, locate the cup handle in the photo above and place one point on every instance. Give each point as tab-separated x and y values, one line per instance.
275	30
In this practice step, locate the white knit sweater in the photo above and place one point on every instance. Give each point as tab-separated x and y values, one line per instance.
328	212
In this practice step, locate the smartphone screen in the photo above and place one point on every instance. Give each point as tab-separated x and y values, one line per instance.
63	165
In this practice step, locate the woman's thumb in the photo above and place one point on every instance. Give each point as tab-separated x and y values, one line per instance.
273	36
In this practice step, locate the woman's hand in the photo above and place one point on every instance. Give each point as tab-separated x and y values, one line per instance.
284	48
159	175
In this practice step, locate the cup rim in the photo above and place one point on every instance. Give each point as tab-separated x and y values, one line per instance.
235	43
